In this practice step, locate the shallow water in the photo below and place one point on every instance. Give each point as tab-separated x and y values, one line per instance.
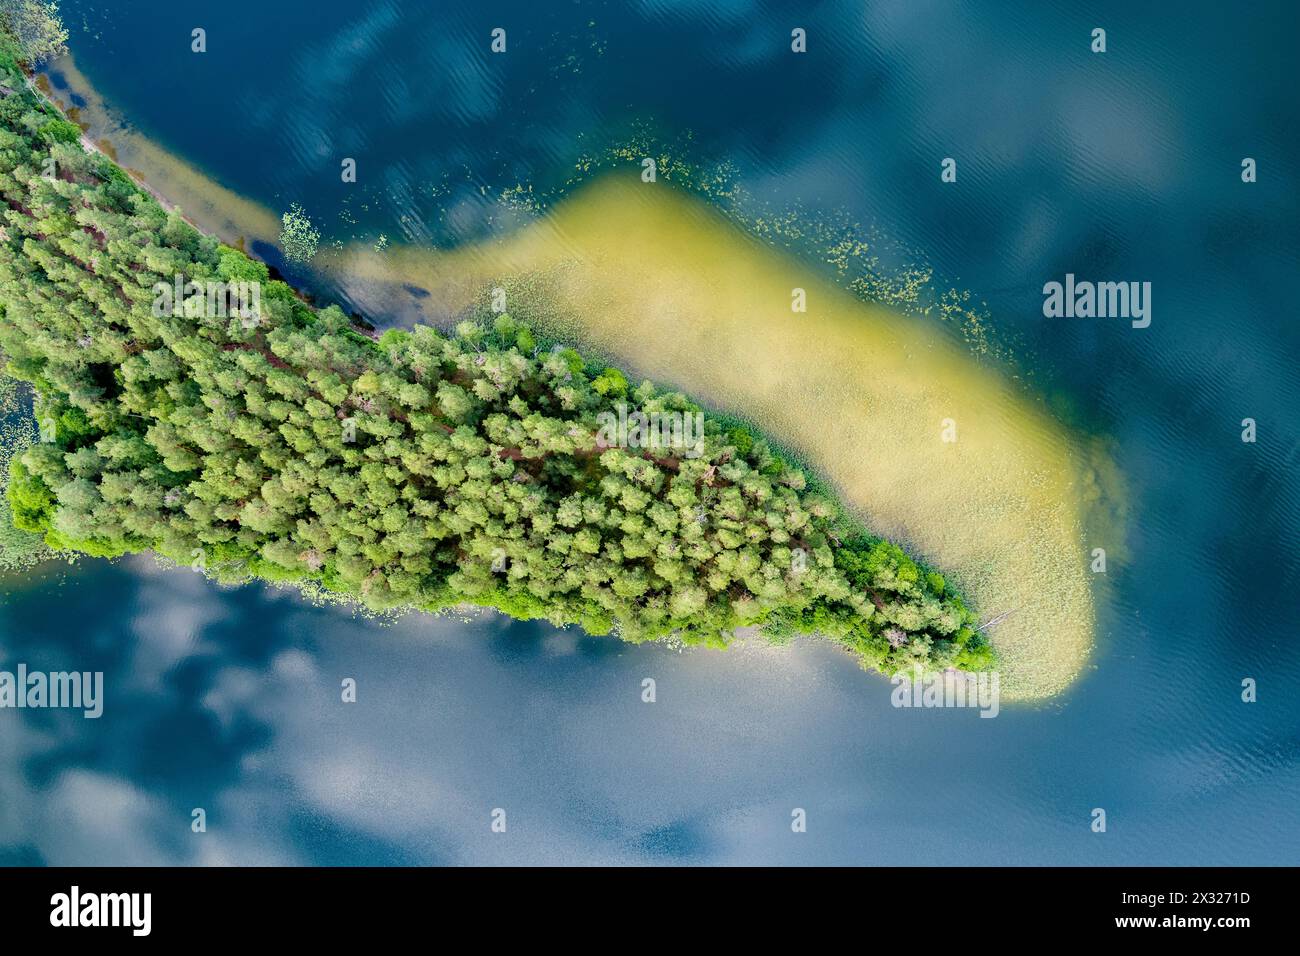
1122	166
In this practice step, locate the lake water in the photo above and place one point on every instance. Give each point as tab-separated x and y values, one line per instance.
1117	166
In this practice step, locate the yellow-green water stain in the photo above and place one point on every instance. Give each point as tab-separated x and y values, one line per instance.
667	286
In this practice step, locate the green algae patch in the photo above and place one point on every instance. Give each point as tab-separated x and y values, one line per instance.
667	287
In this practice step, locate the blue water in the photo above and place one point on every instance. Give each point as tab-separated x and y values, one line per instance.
1124	165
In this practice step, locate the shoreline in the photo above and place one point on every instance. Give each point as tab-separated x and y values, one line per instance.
175	184
1004	550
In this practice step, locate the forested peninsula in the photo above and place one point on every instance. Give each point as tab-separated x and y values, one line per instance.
409	469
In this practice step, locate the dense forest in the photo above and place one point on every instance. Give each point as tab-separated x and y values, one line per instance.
408	469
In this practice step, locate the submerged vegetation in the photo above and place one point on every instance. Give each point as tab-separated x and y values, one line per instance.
298	238
412	469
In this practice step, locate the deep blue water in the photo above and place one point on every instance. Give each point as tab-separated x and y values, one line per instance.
1124	165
